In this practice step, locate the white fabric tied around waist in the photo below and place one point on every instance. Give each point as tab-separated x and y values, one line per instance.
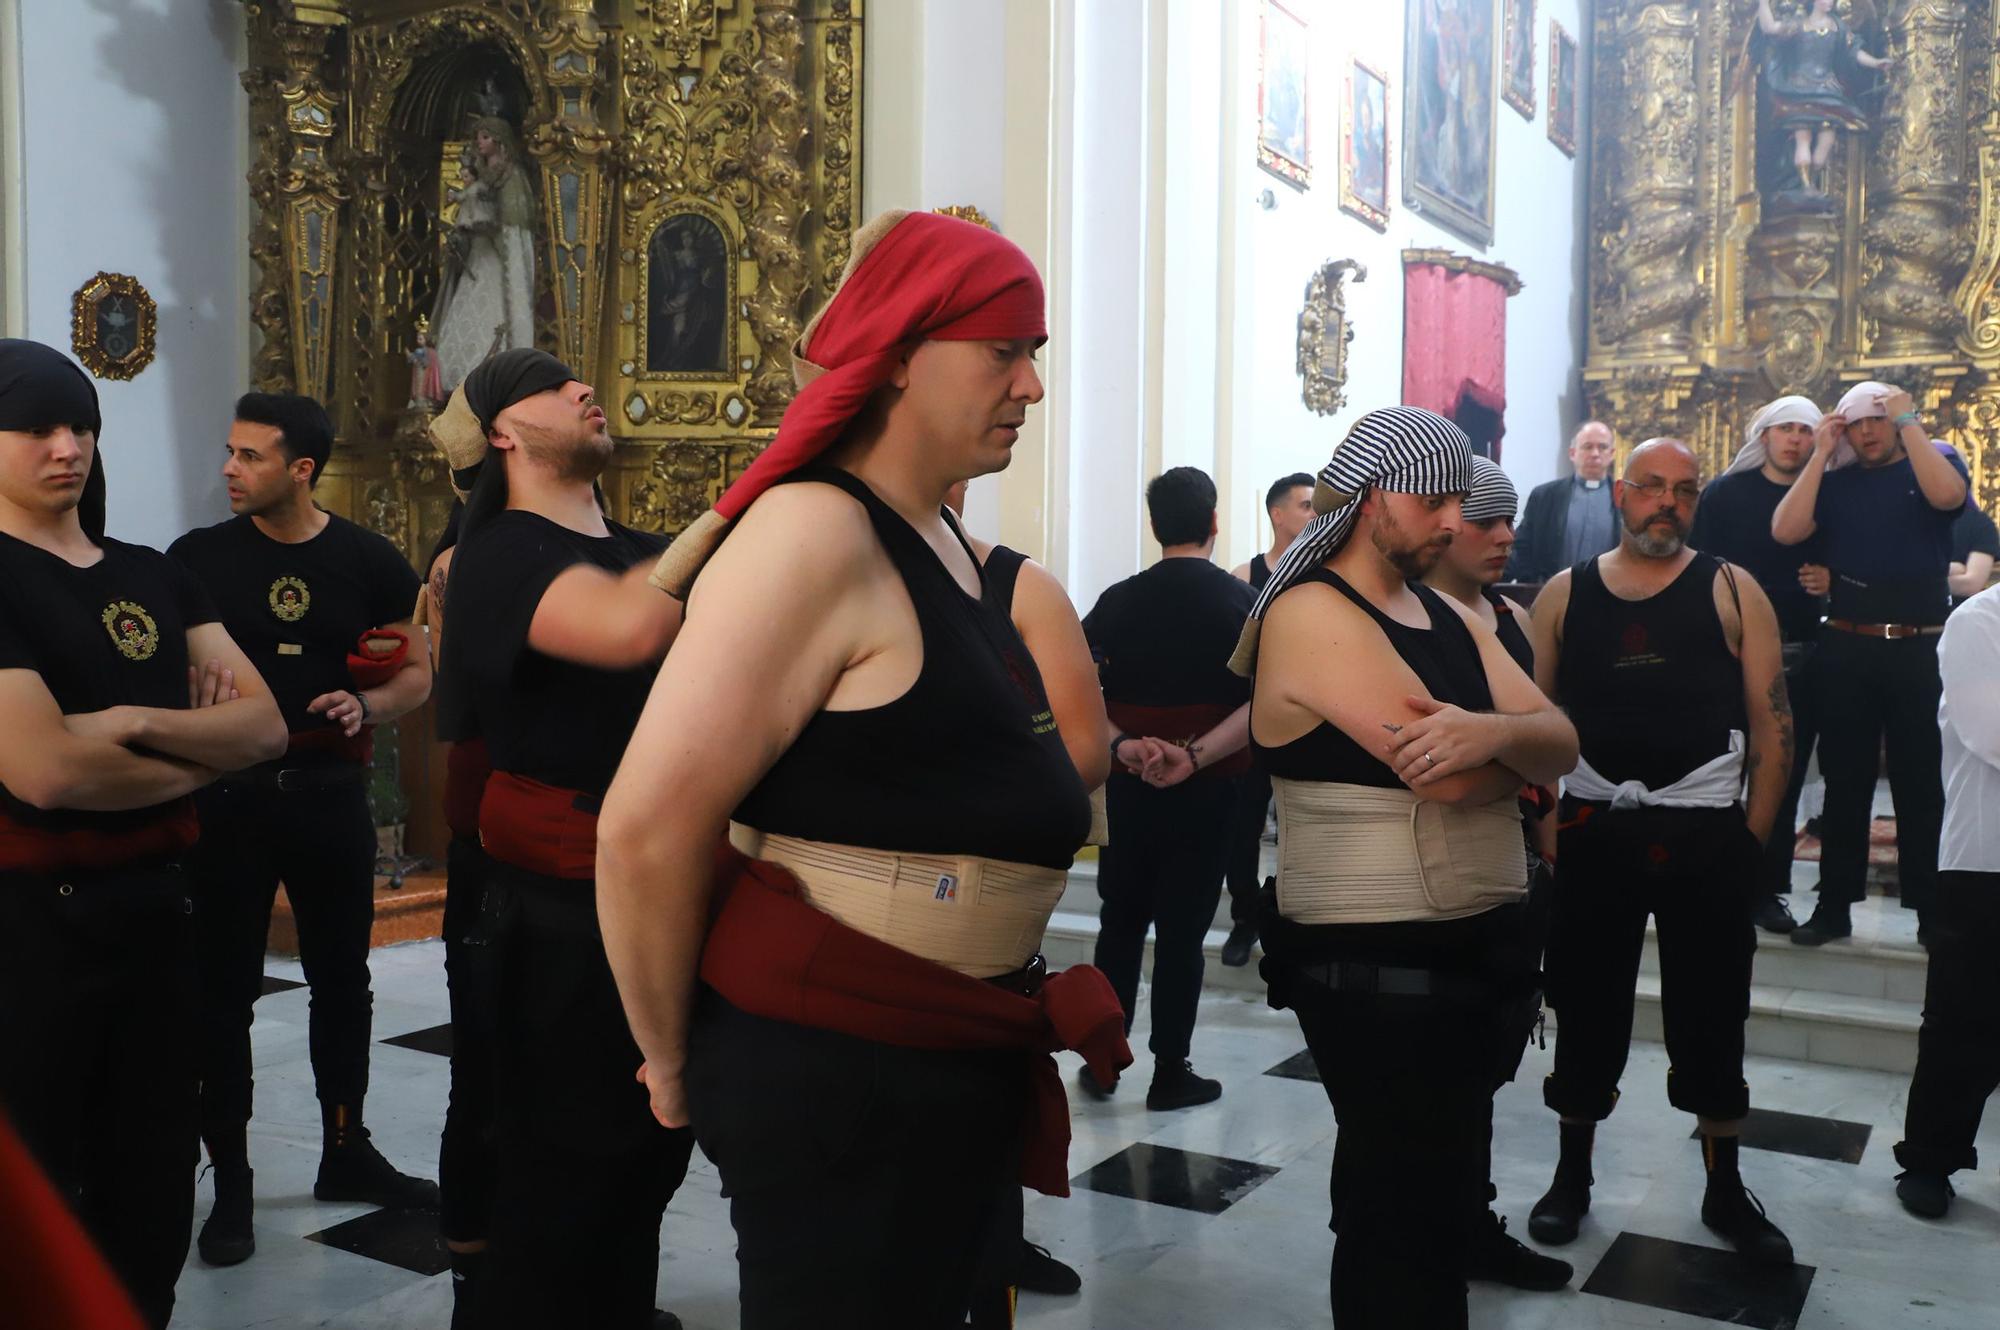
982	917
1717	783
1361	854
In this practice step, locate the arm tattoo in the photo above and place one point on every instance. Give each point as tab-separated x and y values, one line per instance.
437	588
1781	707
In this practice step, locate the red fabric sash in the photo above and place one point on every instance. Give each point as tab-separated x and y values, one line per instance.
466	768
1179	725
538	827
51	1277
330	742
775	956
170	831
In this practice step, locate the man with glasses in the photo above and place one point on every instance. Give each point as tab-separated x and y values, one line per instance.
1570	518
1668	661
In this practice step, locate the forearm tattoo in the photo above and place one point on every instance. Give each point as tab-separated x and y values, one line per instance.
1781	707
437	588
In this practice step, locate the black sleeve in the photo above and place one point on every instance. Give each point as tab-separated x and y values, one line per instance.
1522	562
392	583
1100	627
1702	534
16	651
497	582
1973	533
196	606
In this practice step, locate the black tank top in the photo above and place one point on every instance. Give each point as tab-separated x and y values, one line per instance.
1445	658
1003	570
1650	684
968	761
1507	626
1260	572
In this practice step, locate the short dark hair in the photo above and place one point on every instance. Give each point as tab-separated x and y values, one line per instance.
1284	485
303	429
1181	501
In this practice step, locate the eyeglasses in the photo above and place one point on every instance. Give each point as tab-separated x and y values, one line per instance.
1684	493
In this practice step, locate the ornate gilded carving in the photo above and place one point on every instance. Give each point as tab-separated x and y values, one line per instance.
1324	334
113	325
840	68
574	150
965	212
774	307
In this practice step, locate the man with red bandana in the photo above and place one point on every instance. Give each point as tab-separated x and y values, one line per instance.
860	1034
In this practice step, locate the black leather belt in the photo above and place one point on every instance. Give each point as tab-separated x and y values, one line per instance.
1026	981
1395	981
293	780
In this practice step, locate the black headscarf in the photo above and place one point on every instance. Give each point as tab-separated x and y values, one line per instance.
41	387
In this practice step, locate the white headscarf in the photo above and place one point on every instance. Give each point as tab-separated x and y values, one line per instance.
1784	411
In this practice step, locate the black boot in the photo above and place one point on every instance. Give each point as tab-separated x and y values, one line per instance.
467	1270
1499	1257
1555	1218
226	1236
1175	1085
1236	951
1773	915
352	1169
1830	921
1925	1195
1086	1080
1036	1271
1729	1209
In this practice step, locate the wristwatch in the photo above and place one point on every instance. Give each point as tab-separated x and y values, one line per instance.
1117	739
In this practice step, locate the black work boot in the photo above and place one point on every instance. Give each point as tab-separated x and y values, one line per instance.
1830	921
1555	1218
1175	1085
352	1169
1729	1209
1499	1257
226	1236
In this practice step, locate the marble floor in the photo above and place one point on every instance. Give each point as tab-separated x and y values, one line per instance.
1214	1216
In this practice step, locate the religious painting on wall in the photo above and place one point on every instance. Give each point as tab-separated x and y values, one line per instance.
1284	145
1517	57
1364	146
113	326
486	288
687	297
1449	61
1562	88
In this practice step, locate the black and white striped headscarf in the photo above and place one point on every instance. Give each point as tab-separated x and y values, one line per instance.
1401	449
1492	494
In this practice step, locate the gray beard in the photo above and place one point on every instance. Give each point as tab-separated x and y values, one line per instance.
1653	546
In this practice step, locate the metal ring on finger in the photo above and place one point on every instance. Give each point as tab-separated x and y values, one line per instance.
1430	758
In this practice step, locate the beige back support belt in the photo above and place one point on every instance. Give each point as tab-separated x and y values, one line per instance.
982	917
1357	854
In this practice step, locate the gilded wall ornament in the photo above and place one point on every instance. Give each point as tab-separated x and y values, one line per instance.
114	326
965	212
1324	334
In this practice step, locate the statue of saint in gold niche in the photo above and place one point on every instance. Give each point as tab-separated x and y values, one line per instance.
1816	77
486	298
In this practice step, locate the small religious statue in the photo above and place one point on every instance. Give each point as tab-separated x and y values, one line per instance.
426	388
1812	77
486	300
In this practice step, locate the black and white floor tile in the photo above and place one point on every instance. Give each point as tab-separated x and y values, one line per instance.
1208	1217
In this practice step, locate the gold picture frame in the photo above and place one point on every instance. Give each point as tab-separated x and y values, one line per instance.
1562	88
1364	156
114	326
1284	91
1324	334
1517	56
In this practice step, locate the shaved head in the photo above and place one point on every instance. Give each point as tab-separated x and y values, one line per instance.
1649	456
1657	496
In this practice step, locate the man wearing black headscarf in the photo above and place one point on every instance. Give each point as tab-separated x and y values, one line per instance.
553	637
120	695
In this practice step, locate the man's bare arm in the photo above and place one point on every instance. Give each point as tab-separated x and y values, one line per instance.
1792	522
1545	632
238	731
1053	634
46	765
1942	487
1769	746
1524	732
1970	578
612	622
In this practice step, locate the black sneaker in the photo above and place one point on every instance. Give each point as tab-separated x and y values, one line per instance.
226	1236
1038	1272
1925	1195
1175	1085
1086	1080
356	1171
1738	1216
1499	1257
1557	1216
1828	923
1773	915
1236	951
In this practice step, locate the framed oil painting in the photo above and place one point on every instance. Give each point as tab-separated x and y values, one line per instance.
1450	63
1364	146
1517	56
1562	88
1284	130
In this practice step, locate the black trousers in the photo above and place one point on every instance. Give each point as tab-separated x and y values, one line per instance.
1163	869
1801	685
468	1153
869	1185
1958	1049
1411	1080
586	1171
321	845
1246	844
1693	871
1872	692
97	1004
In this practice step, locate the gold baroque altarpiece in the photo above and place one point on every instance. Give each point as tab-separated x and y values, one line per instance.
1708	297
716	142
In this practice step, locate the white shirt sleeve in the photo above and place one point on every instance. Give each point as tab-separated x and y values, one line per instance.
1969	660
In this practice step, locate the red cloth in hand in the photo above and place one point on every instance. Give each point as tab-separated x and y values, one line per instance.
373	668
773	955
51	1276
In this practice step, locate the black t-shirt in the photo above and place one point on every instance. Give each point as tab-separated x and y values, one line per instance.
1164	637
1734	523
1887	547
298	610
549	720
112	634
1973	533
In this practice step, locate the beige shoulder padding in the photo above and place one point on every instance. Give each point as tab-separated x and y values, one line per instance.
457	434
678	567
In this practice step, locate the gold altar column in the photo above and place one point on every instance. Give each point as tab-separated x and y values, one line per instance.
776	224
574	151
312	195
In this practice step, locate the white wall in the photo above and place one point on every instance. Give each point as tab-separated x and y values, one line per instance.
133	148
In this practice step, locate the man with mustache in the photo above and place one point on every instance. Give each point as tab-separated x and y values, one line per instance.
1733	522
1669	663
1881	497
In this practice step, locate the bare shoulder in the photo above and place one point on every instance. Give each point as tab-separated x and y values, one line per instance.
803	518
1241	572
1318	617
1554	596
1515	607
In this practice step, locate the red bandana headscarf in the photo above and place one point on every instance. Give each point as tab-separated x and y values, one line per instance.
913	277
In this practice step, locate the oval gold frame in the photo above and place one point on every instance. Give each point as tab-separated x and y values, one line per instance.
83	326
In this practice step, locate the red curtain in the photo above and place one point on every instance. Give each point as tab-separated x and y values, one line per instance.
1455	345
